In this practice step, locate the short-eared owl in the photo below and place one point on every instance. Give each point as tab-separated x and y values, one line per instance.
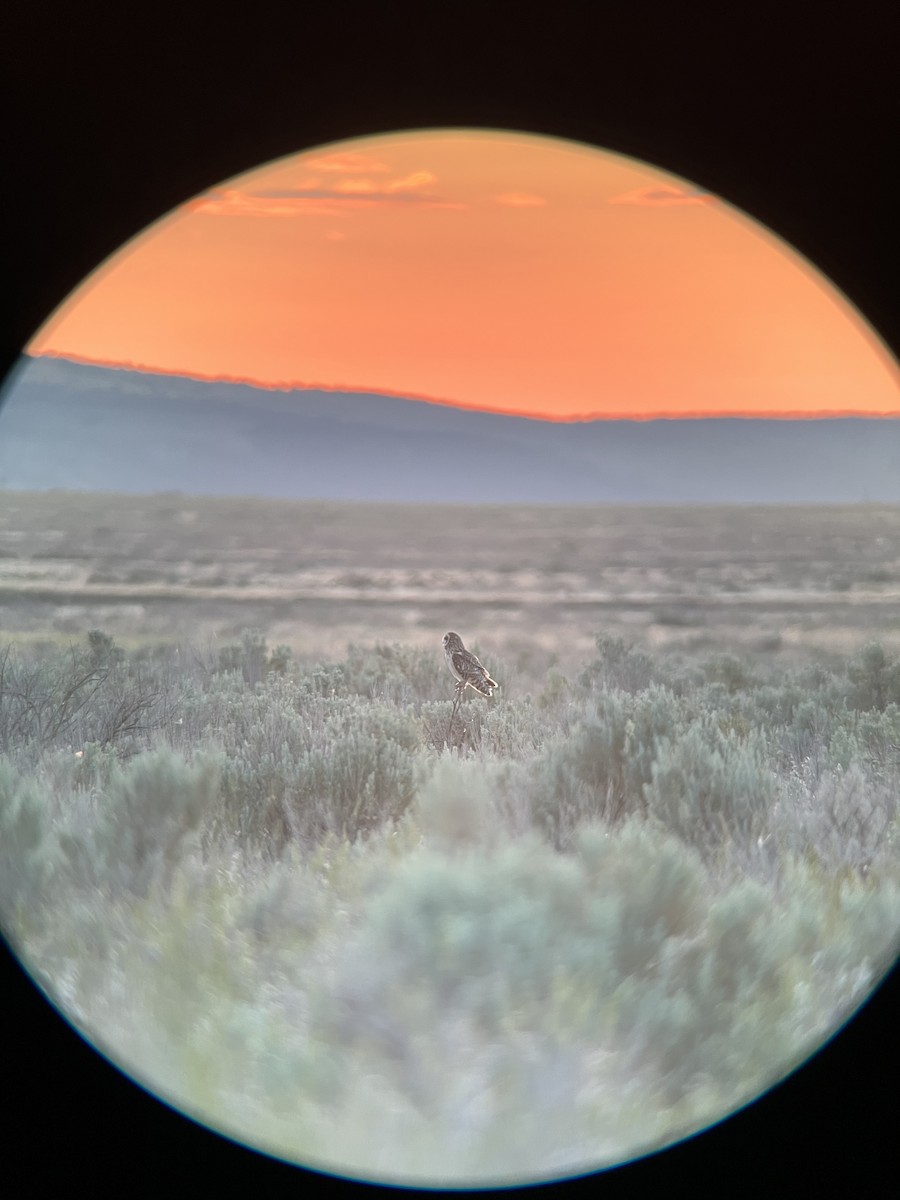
466	667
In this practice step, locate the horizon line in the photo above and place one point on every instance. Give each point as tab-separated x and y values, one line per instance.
422	397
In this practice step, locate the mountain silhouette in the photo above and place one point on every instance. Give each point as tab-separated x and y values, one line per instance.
73	425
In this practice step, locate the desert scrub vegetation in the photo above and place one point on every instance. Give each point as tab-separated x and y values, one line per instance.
587	919
87	693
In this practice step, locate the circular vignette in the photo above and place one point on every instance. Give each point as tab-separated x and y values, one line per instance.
521	204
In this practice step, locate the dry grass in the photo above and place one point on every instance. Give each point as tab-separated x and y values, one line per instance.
631	896
537	582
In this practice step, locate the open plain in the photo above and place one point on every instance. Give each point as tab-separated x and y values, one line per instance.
255	854
536	583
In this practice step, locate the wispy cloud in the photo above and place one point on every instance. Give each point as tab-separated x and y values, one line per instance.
230	202
417	182
414	181
348	162
520	200
661	196
314	197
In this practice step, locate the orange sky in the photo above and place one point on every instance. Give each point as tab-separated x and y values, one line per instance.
492	270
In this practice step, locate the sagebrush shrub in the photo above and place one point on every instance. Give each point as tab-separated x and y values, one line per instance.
599	770
67	697
732	672
871	737
710	789
298	766
456	805
844	818
299	905
142	822
874	677
25	859
618	666
402	674
661	886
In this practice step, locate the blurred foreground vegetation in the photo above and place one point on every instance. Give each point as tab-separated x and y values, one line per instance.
577	924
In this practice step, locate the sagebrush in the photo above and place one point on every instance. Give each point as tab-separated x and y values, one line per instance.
576	923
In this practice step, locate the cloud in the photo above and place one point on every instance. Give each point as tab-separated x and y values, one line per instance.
310	188
661	196
229	202
345	162
520	200
310	197
412	182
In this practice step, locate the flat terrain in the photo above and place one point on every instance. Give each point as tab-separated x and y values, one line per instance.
319	913
533	584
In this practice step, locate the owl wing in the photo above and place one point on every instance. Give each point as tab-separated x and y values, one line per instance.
470	670
466	664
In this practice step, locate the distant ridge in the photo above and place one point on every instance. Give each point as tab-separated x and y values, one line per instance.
574	419
67	424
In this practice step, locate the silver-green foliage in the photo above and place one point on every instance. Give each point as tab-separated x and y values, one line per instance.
874	678
597	921
600	768
89	692
297	764
555	988
709	788
619	667
24	862
843	818
137	829
400	674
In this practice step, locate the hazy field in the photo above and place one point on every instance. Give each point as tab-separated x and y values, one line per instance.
252	853
534	583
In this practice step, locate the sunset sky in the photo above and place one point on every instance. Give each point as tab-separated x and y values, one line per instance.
492	270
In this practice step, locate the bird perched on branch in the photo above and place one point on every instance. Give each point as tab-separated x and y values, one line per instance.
466	668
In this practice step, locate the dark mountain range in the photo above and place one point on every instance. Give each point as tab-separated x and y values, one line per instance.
70	425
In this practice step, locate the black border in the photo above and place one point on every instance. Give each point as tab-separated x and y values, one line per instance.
115	115
72	1117
786	109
